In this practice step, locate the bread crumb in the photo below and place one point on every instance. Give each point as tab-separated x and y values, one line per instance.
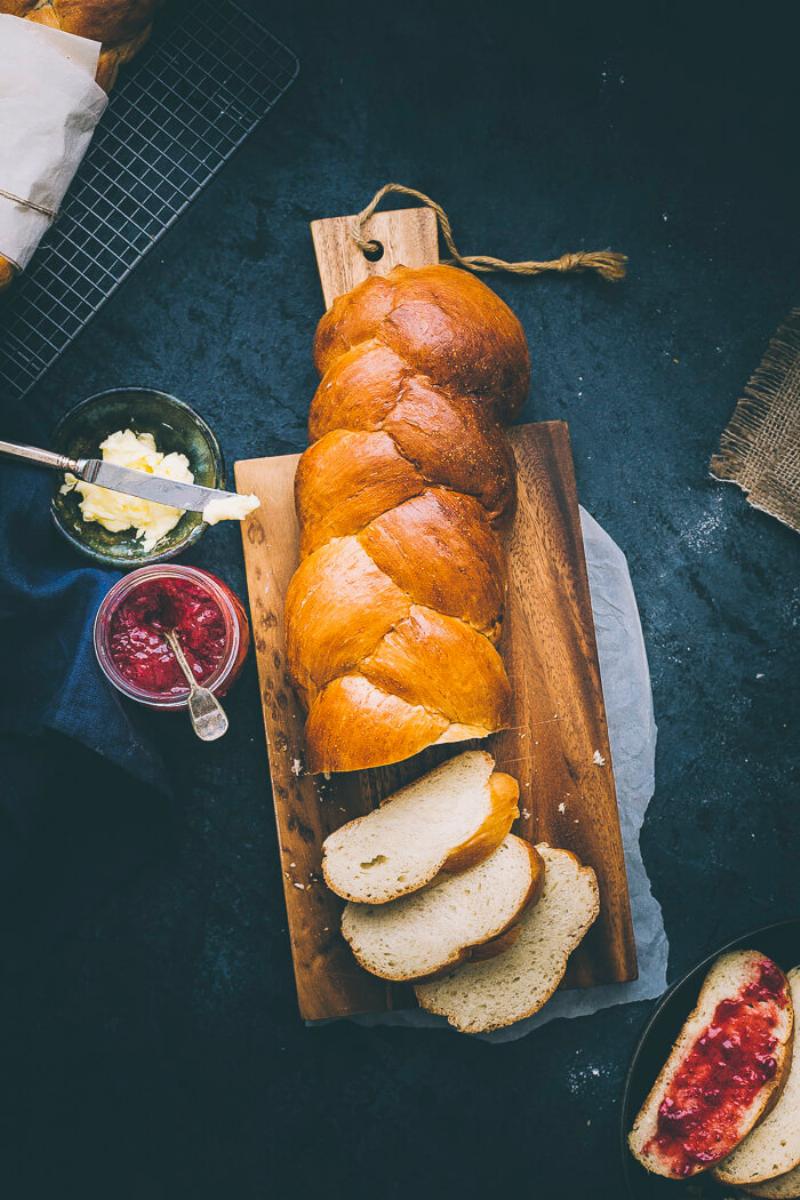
598	759
525	814
562	808
297	767
292	864
300	886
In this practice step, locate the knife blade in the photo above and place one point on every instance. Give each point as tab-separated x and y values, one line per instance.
190	497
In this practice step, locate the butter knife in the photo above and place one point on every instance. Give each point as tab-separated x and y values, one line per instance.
190	497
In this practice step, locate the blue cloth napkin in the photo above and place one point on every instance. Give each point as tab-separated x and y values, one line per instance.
48	599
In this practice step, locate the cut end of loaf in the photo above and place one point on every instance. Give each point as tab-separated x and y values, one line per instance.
450	819
353	725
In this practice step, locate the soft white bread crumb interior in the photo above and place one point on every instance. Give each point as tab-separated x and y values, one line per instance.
452	817
479	996
726	979
420	934
773	1148
783	1187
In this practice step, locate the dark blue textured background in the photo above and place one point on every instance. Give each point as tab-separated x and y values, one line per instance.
150	1042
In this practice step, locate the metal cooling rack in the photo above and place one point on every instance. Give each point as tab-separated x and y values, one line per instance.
210	74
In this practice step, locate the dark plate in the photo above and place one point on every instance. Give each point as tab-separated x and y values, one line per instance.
175	427
780	942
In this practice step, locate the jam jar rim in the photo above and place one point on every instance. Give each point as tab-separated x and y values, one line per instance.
123	587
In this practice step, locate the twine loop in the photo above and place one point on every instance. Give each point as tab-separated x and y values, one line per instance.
607	263
50	213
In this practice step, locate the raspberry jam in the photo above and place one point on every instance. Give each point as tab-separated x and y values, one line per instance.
700	1117
206	616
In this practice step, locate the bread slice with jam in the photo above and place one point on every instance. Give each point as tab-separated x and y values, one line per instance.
727	1068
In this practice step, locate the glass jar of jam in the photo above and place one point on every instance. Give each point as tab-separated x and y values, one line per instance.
207	617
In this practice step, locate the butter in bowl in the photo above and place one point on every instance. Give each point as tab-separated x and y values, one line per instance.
160	437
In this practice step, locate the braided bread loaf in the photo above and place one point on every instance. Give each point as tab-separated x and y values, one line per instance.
393	614
123	27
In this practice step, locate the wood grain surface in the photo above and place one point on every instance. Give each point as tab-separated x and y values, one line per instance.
558	730
406	236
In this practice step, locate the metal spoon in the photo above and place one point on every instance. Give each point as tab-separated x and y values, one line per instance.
205	711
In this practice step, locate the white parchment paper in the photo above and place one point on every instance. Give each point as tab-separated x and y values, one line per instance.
632	732
49	107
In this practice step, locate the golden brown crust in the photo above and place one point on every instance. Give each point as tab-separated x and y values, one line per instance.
494	946
444	323
504	799
440	527
112	22
7	273
410	462
351	721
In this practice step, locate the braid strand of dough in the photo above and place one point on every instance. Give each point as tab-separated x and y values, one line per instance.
393	615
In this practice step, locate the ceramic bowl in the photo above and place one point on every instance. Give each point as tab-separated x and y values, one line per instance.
175	427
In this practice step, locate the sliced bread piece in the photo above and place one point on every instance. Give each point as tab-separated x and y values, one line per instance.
480	996
449	820
773	1148
728	1065
419	935
783	1187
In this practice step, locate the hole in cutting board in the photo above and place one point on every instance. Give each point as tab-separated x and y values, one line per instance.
374	252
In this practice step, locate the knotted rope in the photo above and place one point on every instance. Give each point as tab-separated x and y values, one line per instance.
607	263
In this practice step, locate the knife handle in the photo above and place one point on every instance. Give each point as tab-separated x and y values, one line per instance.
44	458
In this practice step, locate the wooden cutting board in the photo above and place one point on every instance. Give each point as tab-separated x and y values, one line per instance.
557	746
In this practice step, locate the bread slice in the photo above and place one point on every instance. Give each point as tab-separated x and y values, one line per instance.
449	820
722	1127
783	1187
773	1148
419	935
480	996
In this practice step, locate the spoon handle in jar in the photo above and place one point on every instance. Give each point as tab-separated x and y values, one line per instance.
208	717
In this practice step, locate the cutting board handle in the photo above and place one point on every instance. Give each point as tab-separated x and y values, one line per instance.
408	236
350	249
